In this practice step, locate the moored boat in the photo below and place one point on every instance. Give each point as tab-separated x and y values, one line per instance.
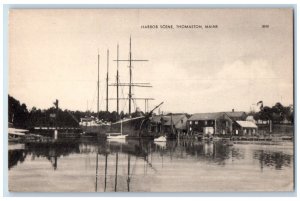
160	139
116	136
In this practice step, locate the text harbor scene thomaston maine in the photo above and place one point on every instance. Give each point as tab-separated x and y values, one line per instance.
151	100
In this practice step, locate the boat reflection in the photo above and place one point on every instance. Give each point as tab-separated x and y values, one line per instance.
161	145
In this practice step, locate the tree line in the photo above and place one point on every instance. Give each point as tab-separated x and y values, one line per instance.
278	113
22	117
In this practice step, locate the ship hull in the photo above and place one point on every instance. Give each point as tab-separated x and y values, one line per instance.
134	128
95	131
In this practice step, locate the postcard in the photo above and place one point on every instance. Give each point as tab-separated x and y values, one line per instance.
151	100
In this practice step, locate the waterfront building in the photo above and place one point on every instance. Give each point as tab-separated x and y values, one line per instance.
215	123
244	128
210	123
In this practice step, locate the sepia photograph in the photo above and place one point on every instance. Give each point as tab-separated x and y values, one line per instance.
151	100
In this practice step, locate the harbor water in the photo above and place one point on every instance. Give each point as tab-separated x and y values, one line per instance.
95	165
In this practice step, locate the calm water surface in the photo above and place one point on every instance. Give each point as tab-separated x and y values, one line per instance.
91	165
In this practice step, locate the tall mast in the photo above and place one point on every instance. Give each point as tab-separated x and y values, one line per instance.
118	78
130	75
130	84
98	86
107	81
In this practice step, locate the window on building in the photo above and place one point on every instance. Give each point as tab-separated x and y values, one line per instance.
196	122
191	122
205	122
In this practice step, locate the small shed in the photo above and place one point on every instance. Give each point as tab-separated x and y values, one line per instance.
245	128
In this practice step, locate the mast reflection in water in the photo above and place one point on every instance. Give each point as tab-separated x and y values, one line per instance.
146	166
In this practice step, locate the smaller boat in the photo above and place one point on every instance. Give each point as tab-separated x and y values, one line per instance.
117	136
160	139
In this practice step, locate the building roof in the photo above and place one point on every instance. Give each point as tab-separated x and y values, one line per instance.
206	116
246	124
175	119
167	119
216	115
235	114
156	119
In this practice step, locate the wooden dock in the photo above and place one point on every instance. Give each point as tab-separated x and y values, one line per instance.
62	132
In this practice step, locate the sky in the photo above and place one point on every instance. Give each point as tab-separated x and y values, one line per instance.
53	55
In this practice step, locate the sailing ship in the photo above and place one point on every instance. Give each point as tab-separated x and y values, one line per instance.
133	126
